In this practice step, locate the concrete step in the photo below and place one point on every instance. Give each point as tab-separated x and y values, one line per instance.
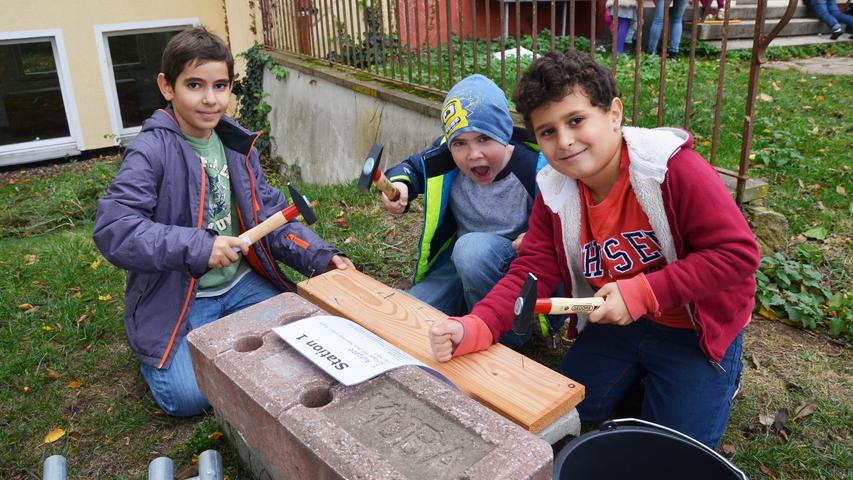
746	43
748	12
746	28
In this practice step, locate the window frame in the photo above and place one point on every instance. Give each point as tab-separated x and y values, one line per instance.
103	32
35	150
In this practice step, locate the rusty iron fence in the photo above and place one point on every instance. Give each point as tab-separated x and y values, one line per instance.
431	44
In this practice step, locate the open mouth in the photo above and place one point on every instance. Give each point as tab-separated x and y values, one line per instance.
481	171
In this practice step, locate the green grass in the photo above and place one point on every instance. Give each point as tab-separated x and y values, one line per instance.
74	332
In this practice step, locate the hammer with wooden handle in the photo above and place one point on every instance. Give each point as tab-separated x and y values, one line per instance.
300	206
370	173
527	306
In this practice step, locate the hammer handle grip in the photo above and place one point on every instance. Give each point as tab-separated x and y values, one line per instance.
262	229
562	305
390	191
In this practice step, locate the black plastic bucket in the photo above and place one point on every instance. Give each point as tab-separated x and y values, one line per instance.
639	450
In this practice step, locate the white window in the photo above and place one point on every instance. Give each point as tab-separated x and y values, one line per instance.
130	61
38	114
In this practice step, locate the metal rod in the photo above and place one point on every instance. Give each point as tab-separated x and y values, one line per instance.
449	14
715	138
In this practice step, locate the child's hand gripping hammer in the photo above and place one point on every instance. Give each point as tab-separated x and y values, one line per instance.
300	206
371	173
528	307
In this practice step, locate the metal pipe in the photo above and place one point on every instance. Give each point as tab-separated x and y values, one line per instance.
55	468
161	468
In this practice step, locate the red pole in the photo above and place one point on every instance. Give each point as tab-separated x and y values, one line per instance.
303	22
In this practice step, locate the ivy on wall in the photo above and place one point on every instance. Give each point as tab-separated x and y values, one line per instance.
253	111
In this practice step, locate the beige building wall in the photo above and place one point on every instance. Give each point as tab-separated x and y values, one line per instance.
237	21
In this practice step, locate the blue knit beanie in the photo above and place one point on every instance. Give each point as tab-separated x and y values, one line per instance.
476	104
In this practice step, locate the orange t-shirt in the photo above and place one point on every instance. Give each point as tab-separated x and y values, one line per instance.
617	242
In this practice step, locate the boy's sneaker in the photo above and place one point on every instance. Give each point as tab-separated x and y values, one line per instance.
674	56
721	14
836	31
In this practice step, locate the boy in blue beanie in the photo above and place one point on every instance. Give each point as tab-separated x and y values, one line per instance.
478	183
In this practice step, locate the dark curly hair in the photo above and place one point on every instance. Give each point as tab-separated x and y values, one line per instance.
555	75
191	46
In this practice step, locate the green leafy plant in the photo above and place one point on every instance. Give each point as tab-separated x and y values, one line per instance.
253	106
372	49
793	289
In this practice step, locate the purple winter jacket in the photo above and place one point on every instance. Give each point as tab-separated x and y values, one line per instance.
152	224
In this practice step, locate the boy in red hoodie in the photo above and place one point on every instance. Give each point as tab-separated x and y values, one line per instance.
638	217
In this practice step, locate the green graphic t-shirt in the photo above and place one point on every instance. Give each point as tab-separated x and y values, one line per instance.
220	212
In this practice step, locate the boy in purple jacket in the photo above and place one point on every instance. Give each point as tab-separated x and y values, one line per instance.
189	184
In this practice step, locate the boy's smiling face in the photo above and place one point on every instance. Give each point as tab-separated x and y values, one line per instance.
479	157
580	140
199	96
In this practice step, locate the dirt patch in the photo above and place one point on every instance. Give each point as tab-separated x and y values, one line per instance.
25	173
780	359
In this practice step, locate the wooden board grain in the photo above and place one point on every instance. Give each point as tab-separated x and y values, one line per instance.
517	387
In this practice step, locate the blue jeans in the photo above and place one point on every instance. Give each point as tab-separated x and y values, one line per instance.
676	15
463	278
174	388
683	390
828	12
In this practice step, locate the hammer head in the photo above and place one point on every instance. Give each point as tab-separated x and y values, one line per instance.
522	322
371	163
301	203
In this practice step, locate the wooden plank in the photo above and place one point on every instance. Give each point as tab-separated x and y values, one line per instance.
517	387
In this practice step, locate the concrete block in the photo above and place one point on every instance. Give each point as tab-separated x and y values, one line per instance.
299	423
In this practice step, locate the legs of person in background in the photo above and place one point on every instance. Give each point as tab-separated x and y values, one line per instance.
442	288
676	16
824	10
624	25
174	388
481	260
683	390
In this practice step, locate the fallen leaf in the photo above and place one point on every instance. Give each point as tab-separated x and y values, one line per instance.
158	413
369	237
95	264
26	390
31	259
767	471
793	387
75	384
341	222
817	233
765	98
705	143
215	436
819	98
805	409
88	348
25	306
729	449
54	435
800	183
126	441
51	374
105	298
314	203
766	420
775	86
47	328
81	320
840	190
340	214
816	130
767	313
349	241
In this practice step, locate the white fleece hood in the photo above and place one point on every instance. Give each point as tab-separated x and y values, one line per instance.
649	151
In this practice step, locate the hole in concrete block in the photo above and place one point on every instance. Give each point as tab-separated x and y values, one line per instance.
315	397
247	344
